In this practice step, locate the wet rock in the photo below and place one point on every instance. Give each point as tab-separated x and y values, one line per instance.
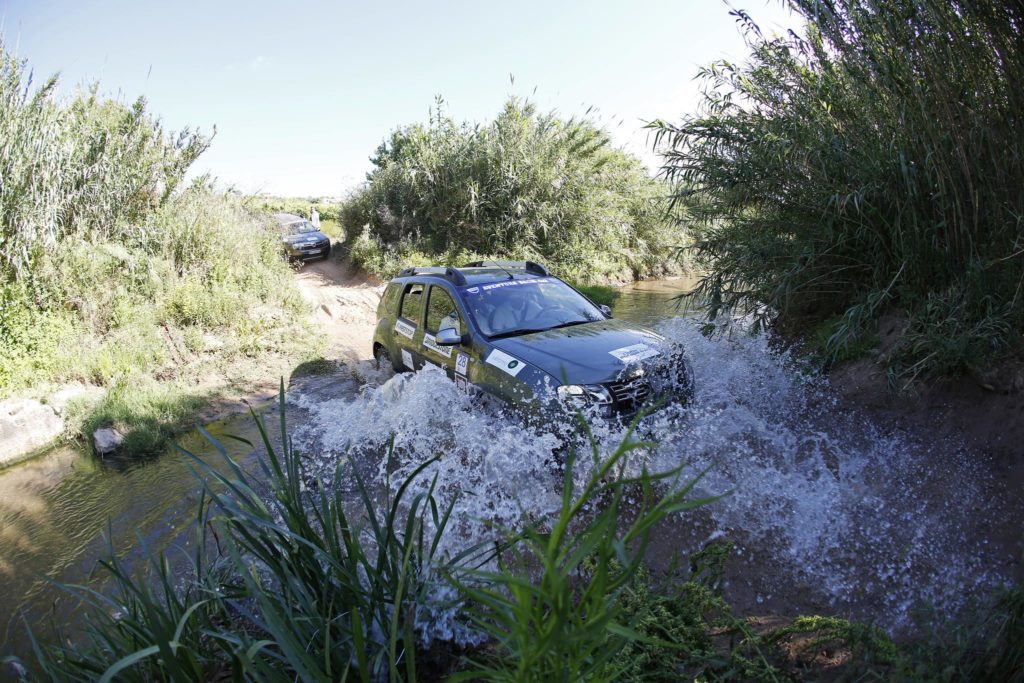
107	440
62	398
26	426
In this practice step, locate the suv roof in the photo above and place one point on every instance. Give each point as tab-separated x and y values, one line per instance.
480	272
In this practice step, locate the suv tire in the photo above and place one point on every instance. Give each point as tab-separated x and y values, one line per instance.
382	359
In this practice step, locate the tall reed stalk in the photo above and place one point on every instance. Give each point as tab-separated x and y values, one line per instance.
872	163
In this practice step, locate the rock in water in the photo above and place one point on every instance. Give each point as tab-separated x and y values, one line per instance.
107	440
26	426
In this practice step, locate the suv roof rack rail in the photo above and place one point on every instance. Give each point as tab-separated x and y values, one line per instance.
528	266
448	273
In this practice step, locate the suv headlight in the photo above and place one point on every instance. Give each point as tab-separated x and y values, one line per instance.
584	393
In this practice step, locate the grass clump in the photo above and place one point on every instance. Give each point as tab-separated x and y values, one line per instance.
526	185
873	162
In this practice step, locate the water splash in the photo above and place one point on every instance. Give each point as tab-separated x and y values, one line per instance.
828	512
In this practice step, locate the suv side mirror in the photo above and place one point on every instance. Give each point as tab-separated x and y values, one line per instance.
448	337
606	310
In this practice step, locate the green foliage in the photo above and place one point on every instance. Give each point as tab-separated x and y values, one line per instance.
88	169
874	162
690	634
833	343
146	411
300	206
599	294
525	185
111	273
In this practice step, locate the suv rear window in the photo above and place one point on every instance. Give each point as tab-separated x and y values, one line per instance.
441	311
412	303
389	300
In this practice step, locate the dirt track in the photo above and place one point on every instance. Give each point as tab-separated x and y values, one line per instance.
346	307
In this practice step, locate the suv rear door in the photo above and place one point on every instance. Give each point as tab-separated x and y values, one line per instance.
408	329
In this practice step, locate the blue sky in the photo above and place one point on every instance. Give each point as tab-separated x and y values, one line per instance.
303	92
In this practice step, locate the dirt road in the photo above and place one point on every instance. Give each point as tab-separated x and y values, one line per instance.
346	306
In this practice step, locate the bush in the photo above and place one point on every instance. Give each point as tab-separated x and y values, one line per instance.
524	186
874	163
88	169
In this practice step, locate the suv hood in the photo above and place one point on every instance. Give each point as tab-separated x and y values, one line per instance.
591	353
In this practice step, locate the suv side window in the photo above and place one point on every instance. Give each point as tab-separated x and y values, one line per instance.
442	312
412	303
388	301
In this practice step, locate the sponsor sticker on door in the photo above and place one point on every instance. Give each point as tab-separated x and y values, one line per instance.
430	342
407	359
405	329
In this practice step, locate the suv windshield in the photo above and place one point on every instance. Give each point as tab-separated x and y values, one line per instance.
300	227
513	307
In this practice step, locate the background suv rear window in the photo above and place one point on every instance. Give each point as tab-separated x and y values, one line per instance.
412	303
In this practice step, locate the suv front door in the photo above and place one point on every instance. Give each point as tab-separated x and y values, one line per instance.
443	313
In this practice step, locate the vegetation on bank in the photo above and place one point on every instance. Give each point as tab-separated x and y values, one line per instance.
527	185
305	585
872	165
114	274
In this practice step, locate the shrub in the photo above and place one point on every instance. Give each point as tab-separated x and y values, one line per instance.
873	163
88	169
525	186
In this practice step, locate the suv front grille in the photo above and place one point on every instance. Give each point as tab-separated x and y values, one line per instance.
629	396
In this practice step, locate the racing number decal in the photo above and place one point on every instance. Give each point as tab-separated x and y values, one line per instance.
461	364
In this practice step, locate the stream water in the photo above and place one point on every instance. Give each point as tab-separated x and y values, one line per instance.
827	511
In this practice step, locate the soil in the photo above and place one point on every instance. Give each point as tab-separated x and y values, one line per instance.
345	307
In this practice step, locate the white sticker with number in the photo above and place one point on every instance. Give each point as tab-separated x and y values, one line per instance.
461	364
407	359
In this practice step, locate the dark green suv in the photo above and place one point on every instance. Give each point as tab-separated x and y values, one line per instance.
513	331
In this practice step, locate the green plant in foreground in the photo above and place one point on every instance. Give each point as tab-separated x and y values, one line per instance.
289	579
566	624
